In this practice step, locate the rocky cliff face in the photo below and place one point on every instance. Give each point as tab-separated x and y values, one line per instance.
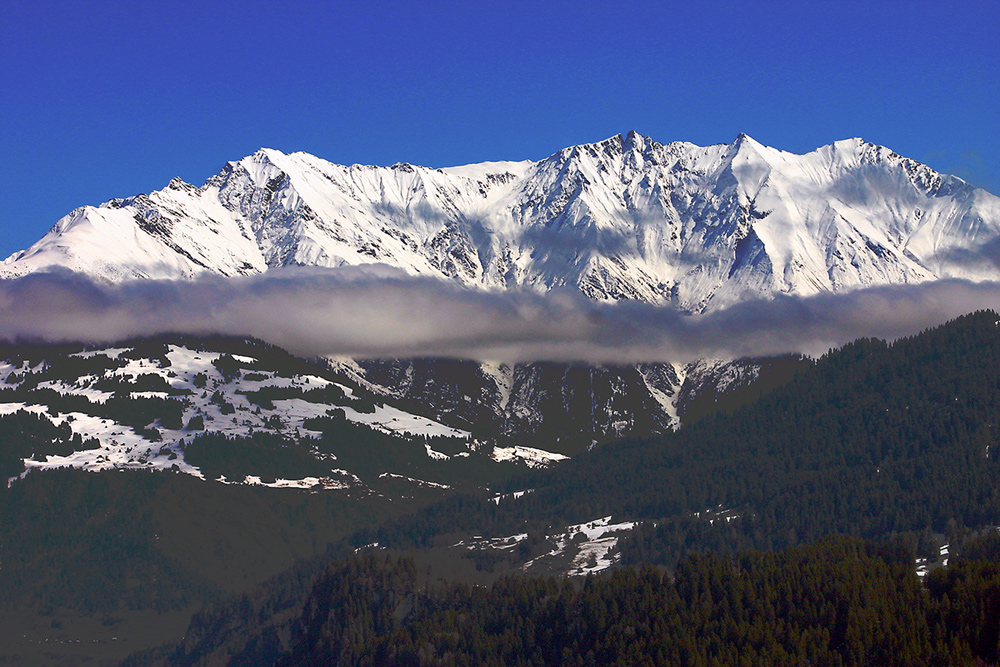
567	406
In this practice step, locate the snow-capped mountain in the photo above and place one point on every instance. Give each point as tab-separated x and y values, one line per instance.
625	218
699	228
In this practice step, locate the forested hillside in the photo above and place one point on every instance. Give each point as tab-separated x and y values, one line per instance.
895	443
873	439
839	601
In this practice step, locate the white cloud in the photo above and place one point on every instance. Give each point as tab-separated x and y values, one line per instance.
378	312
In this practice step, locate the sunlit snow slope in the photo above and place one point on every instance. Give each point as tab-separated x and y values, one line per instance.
182	407
625	218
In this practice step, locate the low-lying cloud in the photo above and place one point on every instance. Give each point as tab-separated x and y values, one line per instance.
373	312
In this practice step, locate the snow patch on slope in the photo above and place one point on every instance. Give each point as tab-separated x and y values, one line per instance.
534	458
205	392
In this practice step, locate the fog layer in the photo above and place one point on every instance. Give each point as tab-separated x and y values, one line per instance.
377	312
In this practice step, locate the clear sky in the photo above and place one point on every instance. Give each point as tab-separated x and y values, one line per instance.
110	99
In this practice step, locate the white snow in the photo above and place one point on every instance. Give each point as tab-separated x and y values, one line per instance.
479	542
418	482
509	496
304	483
110	352
700	227
434	454
122	448
718	513
534	458
393	420
595	553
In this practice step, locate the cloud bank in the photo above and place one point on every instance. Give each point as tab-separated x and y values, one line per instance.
369	312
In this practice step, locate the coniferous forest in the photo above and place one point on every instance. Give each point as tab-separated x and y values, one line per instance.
872	440
784	531
839	601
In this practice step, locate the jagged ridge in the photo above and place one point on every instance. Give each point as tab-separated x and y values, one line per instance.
625	218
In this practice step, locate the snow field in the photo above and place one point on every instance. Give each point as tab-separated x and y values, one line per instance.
534	458
595	552
121	447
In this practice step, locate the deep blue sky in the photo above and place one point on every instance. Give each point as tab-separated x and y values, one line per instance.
102	100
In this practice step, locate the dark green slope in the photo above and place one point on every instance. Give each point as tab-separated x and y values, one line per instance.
131	555
871	439
882	441
838	602
93	556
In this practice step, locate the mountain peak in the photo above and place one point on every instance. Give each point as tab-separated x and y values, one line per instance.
744	141
264	156
635	141
624	218
268	152
177	183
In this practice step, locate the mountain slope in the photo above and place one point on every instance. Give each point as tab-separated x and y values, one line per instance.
873	439
625	218
886	441
238	411
698	228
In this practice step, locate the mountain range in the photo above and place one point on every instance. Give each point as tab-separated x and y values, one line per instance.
265	461
627	218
